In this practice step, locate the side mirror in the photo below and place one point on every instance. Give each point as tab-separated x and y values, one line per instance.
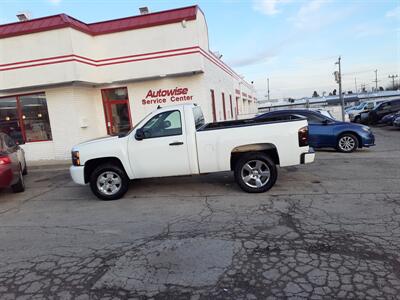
325	122
139	135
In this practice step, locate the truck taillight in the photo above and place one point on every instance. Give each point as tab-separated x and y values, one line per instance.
75	158
5	160
303	136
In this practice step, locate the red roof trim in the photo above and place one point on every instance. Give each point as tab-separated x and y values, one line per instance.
104	27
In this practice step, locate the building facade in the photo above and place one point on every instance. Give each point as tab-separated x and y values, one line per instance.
63	81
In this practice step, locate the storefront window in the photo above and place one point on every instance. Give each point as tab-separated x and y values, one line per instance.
116	94
25	118
9	120
35	118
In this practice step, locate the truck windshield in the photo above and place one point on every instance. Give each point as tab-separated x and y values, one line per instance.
134	127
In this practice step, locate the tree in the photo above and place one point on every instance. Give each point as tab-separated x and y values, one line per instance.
334	92
315	94
381	89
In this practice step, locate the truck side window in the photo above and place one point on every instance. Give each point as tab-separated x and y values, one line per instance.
198	117
164	124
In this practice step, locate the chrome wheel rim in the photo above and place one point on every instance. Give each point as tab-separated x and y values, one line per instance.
347	143
109	183
255	173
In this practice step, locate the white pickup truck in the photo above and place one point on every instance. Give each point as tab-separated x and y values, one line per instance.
175	141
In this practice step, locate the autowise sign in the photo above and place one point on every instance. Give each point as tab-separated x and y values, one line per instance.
161	96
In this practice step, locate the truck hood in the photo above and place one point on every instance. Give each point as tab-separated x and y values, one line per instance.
97	140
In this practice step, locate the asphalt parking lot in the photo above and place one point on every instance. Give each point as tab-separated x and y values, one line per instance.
326	230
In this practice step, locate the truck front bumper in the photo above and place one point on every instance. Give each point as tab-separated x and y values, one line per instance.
77	174
307	157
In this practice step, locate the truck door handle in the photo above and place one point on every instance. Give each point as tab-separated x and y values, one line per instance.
176	144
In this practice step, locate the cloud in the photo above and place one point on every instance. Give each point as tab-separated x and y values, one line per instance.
264	56
253	59
308	15
394	13
367	30
54	2
268	7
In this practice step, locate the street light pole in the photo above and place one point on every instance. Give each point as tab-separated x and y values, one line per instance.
355	82
393	77
339	81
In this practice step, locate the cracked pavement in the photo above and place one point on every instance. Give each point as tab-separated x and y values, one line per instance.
330	230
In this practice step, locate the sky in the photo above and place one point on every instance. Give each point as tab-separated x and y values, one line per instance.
294	43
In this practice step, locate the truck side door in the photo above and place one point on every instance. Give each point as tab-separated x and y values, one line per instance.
161	147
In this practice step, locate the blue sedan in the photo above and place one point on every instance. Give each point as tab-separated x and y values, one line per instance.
327	132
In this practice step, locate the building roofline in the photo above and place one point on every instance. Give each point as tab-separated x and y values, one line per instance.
116	25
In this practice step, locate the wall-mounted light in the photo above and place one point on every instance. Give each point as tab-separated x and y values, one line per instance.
39	115
23	117
8	118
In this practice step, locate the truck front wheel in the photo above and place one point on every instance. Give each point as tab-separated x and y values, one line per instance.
255	172
109	182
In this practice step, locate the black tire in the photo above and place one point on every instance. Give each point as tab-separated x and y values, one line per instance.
25	170
251	159
122	188
19	187
347	143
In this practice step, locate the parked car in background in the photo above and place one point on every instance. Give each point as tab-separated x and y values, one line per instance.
389	119
12	164
349	108
355	112
323	112
396	122
175	141
336	115
383	109
327	132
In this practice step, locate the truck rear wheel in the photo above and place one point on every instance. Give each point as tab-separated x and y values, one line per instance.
255	172
109	182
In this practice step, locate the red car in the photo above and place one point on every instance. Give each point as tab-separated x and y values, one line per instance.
12	164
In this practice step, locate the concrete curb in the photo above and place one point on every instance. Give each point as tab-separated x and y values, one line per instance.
48	165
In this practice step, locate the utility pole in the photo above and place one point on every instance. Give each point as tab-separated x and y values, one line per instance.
268	87
355	83
376	80
393	77
338	78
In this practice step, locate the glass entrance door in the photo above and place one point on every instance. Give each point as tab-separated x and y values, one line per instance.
116	110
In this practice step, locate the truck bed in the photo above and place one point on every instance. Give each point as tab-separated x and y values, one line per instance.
245	122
